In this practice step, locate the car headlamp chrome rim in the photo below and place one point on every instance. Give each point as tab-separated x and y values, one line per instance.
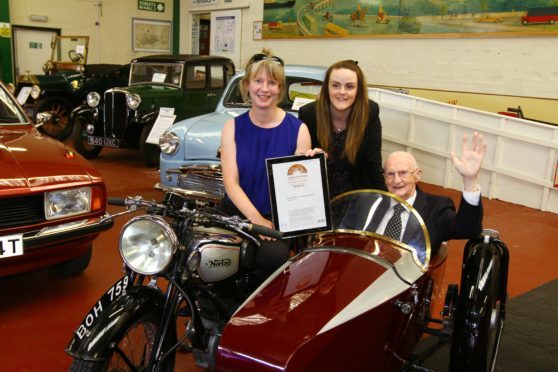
68	202
147	244
169	143
35	91
133	101
93	99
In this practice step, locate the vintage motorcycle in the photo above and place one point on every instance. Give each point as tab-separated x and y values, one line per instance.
351	300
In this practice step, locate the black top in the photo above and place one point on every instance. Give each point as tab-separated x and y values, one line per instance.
367	172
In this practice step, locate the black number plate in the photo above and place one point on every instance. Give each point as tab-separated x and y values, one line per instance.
103	141
118	289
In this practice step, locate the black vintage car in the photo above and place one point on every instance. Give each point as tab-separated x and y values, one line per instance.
67	80
162	89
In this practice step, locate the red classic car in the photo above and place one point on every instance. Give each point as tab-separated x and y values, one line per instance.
52	201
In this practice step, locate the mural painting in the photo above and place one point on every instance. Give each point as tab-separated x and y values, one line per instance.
367	18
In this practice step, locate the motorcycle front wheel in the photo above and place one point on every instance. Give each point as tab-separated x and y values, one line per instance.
131	352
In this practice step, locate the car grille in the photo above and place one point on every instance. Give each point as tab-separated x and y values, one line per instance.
205	180
116	113
21	211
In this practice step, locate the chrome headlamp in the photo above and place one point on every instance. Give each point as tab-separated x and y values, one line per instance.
147	244
133	101
35	91
93	99
169	143
70	202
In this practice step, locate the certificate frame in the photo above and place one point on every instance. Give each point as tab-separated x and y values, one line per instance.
299	194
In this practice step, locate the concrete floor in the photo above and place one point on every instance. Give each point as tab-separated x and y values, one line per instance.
39	312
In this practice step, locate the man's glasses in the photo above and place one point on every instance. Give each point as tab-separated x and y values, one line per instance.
401	174
260	57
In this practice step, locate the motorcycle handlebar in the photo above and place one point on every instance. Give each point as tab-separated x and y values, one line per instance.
262	230
117	200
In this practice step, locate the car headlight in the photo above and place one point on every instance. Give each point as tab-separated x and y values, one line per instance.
147	244
76	84
64	203
133	101
35	91
169	143
93	99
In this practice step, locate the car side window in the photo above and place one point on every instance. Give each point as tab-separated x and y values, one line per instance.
196	77
234	97
218	77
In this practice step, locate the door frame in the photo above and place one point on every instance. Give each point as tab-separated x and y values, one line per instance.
58	32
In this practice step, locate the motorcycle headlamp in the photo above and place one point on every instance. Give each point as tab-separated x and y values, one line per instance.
93	99
133	101
169	143
35	91
147	244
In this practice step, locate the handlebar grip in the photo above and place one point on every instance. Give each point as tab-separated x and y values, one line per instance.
262	230
117	200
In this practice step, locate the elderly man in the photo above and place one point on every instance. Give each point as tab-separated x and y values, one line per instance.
401	174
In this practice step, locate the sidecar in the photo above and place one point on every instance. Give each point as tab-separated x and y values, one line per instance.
356	300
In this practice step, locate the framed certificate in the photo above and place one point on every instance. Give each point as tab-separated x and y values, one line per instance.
299	194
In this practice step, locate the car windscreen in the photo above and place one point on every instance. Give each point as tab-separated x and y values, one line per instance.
10	113
158	73
298	92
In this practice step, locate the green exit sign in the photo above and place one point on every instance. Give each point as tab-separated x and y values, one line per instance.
151	6
35	45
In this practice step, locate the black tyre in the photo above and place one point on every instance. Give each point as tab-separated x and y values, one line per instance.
150	152
478	320
75	266
60	126
79	138
136	344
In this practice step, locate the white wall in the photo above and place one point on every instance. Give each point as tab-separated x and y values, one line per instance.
110	42
522	66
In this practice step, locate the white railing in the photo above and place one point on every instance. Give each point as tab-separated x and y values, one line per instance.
522	155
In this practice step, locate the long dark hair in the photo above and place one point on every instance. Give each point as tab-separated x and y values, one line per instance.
358	117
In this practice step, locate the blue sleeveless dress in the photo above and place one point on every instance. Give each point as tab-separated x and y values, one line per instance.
253	146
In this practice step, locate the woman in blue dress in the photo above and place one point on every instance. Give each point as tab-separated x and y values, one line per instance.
265	131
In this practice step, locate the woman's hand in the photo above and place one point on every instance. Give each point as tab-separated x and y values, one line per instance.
314	151
263	222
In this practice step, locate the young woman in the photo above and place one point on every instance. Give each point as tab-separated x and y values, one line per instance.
265	131
345	124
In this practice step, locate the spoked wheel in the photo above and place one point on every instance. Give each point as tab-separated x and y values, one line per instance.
79	138
60	125
479	318
130	353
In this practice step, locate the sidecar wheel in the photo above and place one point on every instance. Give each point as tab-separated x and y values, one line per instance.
478	320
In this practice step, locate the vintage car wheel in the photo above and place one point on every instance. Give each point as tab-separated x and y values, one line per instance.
479	318
74	266
60	126
151	153
79	138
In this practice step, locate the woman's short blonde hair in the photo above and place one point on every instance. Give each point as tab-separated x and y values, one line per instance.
271	65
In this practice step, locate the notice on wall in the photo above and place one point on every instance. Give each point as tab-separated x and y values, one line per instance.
224	35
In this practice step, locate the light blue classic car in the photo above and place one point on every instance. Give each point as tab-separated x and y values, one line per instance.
190	156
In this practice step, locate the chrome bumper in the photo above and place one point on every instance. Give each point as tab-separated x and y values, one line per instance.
66	231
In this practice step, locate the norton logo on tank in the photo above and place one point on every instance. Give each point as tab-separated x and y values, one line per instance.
225	262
